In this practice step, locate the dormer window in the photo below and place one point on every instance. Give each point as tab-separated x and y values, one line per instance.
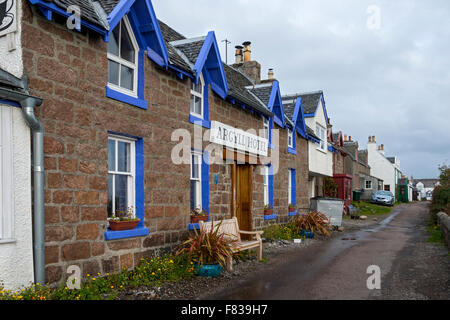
290	138
123	59
320	133
197	98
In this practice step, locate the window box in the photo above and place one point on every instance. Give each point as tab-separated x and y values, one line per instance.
123	225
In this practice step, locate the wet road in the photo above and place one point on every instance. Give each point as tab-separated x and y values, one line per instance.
410	267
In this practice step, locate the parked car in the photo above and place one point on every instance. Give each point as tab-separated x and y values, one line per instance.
384	198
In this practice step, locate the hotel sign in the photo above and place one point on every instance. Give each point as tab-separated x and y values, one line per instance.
8	18
238	139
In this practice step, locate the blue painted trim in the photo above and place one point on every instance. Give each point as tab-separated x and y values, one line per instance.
204	63
205	181
119	11
272	217
140	103
275	102
46	12
293	214
332	149
10	103
193	226
292	151
293	178
117	235
271	180
51	6
180	73
298	118
204	123
140	231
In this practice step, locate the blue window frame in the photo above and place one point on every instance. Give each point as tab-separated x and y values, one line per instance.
138	194
199	103
126	74
293	190
270	178
292	148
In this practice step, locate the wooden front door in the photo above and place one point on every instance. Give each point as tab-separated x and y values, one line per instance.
244	187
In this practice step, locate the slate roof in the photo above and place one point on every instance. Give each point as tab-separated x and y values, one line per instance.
92	11
427	183
289	108
262	92
310	101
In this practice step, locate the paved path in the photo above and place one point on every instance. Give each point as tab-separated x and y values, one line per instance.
411	268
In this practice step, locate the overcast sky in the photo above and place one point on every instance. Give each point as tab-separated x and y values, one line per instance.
388	77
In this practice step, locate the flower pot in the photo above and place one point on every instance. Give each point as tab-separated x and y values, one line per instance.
307	234
123	225
209	270
291	209
268	212
197	219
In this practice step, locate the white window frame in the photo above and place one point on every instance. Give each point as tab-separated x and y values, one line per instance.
131	175
321	134
266	186
290	138
266	128
199	95
371	185
7	233
121	61
198	181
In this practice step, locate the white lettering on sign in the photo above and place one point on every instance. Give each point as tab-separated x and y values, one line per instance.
238	139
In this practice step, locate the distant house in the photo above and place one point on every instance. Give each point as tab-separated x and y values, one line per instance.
382	167
340	175
425	187
357	162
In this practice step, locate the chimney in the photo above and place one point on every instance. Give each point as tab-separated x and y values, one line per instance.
250	68
382	147
239	54
373	139
370	139
345	138
350	138
247	51
271	75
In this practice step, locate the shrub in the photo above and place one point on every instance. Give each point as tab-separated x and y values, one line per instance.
441	199
208	247
287	232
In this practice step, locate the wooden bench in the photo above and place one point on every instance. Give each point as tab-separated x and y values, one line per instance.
230	228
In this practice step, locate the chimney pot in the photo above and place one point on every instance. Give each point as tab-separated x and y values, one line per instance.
350	138
370	138
345	138
271	74
247	51
239	54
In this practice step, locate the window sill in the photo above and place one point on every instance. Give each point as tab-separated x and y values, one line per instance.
272	217
292	151
195	120
293	214
119	96
323	151
117	235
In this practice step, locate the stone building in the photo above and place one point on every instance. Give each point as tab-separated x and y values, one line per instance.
139	118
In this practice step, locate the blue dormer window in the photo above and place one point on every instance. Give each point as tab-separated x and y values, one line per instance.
125	66
292	148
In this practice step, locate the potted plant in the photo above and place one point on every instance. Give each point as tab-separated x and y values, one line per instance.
198	215
313	222
291	208
209	250
268	210
124	220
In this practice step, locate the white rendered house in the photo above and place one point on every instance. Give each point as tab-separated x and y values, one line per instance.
382	167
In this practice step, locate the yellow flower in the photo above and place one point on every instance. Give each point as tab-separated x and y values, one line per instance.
112	287
88	275
94	279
